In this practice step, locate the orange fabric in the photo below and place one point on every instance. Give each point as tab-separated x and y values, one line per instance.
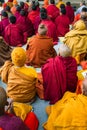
77	17
46	3
84	65
39	86
78	90
1	129
31	121
13	10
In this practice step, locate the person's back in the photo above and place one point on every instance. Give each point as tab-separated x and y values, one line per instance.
40	48
62	70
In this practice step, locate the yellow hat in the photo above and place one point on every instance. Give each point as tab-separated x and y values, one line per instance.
18	56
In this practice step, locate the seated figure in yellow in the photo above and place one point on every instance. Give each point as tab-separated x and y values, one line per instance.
20	80
70	113
60	2
76	40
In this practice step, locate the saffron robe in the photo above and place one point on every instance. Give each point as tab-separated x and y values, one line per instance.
4	22
14	35
39	49
59	76
70	113
52	31
46	3
33	14
26	25
70	13
20	87
8	122
52	11
62	24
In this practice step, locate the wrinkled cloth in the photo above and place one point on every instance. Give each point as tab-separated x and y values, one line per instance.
39	49
33	14
20	87
70	13
65	114
59	76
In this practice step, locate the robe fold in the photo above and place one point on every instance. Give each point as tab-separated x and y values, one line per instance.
39	49
33	14
20	87
59	75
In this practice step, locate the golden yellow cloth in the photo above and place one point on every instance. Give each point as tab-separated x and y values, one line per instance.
79	74
21	110
59	4
76	39
20	87
70	113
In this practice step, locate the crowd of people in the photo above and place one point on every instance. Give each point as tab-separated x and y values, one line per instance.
29	33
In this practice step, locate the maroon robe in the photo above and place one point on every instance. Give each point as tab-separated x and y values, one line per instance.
52	11
52	32
14	35
70	13
59	76
17	14
26	25
3	24
62	23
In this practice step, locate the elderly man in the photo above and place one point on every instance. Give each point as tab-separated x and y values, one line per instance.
59	75
70	112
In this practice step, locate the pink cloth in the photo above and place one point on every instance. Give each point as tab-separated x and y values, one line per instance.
52	11
52	32
17	14
3	25
36	23
26	25
59	76
14	35
70	13
62	24
32	15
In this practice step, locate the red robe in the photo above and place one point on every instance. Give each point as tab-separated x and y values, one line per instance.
62	23
26	25
59	76
17	14
52	11
33	14
52	32
70	13
14	35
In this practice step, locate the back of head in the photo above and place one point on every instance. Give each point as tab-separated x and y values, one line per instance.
18	8
43	10
62	6
4	14
63	11
34	7
12	19
68	3
64	50
52	1
22	4
37	4
84	87
7	8
18	56
84	9
79	25
3	97
23	12
43	15
42	29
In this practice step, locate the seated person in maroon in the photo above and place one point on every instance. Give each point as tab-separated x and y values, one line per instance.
7	121
14	35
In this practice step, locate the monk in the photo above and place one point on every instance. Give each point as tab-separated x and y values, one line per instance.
20	80
4	22
26	24
82	4
62	23
52	10
69	12
64	115
17	13
46	3
76	40
14	35
13	8
7	121
7	9
59	75
9	3
39	48
59	3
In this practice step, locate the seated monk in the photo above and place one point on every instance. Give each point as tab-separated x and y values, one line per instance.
40	48
60	2
20	80
8	121
70	113
59	75
76	40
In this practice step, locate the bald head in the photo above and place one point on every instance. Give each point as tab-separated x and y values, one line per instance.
64	50
84	87
3	97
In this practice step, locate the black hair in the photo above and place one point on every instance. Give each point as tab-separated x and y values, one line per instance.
43	10
12	19
43	15
18	8
3	13
63	11
22	4
68	3
37	4
62	6
34	7
52	1
23	12
84	9
7	8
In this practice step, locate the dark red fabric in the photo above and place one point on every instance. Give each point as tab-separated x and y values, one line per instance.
53	11
62	23
59	76
31	121
17	14
70	13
